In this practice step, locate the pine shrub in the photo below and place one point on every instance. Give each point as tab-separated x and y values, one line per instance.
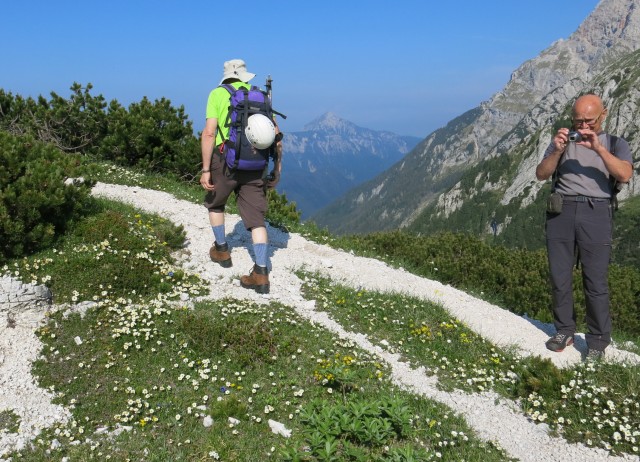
152	136
36	206
75	124
282	213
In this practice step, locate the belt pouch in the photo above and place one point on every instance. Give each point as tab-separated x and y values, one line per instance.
554	203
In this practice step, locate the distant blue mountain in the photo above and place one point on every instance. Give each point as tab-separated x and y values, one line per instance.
331	156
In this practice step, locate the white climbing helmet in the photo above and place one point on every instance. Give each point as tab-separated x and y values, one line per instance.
260	131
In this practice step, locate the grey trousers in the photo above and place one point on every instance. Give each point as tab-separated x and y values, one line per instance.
586	228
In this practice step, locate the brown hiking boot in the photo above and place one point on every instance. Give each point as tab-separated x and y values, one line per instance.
220	254
257	280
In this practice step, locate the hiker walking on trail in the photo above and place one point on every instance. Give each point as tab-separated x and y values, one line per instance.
587	166
239	138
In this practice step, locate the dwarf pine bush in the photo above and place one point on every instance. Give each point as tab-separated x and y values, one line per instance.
36	205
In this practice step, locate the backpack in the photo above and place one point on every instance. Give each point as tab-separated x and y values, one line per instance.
238	152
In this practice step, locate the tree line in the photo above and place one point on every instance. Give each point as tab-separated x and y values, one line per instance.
153	135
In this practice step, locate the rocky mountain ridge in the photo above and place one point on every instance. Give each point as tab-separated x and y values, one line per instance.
538	91
332	155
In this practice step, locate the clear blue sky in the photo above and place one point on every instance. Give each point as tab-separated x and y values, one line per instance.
407	67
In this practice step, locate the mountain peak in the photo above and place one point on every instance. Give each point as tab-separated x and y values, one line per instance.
443	177
329	122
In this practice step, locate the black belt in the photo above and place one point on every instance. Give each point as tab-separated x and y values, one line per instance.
585	199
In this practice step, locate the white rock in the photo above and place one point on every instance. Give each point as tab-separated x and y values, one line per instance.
279	429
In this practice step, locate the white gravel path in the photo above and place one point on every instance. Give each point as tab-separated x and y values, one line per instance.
19	347
493	418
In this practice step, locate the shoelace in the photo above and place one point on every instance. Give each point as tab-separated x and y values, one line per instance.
560	338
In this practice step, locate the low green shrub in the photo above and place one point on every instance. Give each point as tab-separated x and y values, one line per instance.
153	136
36	205
75	124
281	212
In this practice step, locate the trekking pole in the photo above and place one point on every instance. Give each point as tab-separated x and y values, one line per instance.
268	85
269	88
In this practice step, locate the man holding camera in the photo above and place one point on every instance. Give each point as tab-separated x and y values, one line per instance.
586	163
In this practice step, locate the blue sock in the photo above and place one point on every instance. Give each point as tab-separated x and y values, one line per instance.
260	251
218	233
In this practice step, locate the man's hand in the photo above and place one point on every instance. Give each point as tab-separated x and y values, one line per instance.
205	181
589	140
549	163
273	179
561	139
621	170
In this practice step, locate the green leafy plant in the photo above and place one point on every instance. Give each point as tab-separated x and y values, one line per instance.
340	428
282	213
38	195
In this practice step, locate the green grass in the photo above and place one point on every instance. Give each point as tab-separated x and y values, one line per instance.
9	422
117	252
515	279
423	334
148	371
162	371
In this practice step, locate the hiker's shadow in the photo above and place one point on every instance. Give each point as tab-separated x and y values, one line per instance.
579	342
240	237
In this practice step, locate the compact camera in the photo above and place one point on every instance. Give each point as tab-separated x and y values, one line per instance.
575	136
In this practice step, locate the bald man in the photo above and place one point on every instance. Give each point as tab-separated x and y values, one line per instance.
585	168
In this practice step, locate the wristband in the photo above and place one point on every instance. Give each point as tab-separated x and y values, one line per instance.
205	171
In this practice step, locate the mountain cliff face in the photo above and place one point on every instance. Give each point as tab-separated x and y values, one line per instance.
331	156
536	94
502	189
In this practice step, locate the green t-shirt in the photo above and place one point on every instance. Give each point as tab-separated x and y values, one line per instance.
218	108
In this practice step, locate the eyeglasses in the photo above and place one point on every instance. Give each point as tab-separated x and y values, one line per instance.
589	122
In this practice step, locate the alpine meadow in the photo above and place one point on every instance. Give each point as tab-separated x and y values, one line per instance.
409	306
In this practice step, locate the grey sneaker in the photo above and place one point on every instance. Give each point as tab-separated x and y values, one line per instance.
559	342
594	355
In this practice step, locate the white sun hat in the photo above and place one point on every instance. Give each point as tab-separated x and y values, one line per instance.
236	69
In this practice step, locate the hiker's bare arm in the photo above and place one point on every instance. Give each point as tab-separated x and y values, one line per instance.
548	165
207	143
